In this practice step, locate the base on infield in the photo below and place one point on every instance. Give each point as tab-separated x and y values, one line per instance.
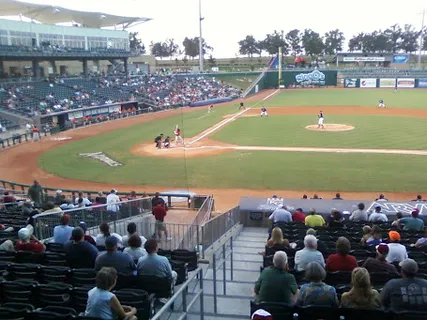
335	127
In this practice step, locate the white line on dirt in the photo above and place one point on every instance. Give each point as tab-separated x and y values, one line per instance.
321	150
226	121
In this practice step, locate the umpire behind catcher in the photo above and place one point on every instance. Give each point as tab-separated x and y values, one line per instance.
158	141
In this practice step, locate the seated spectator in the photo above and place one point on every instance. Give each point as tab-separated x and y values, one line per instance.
377	216
316	197
78	252
359	214
381	198
120	261
27	208
422	242
275	284
87	237
304	196
101	199
375	237
298	215
156	199
361	295
314	220
413	223
67	204
131	229
299	244
308	254
316	292
7	198
366	235
62	232
85	200
105	233
408	293
51	208
154	265
134	248
103	304
395	223
337	196
281	215
28	242
58	198
397	252
276	240
341	261
335	219
380	264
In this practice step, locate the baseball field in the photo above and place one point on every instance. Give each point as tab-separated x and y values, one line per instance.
363	148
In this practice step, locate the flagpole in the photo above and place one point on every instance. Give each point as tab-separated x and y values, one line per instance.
200	38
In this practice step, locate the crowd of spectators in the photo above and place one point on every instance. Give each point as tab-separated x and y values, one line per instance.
61	94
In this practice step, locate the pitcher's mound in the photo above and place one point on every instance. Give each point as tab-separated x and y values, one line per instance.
331	127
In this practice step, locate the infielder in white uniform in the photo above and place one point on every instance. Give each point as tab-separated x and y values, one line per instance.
381	104
178	137
264	112
320	120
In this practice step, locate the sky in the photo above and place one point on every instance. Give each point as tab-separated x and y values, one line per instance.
228	21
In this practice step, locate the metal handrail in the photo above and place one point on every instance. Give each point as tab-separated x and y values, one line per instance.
184	291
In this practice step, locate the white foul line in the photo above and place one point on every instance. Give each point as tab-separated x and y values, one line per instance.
223	123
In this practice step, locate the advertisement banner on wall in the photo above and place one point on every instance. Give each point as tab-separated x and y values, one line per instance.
363	59
387	83
401	58
405	83
368	83
350	83
422	83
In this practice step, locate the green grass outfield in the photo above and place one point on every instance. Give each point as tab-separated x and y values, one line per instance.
403	98
267	169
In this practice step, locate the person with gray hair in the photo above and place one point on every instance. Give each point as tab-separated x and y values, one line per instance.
275	284
299	244
308	254
407	293
316	292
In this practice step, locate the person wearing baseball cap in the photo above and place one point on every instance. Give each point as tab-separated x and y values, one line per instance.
28	242
397	252
377	216
122	262
407	293
380	264
412	223
62	232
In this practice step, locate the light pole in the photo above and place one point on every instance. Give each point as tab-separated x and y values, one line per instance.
200	38
421	39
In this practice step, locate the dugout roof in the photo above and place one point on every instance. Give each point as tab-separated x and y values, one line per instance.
48	14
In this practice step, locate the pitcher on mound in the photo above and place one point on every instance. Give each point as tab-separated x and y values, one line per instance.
178	137
320	120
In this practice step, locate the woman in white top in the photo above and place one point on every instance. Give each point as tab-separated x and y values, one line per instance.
134	248
131	228
105	233
103	304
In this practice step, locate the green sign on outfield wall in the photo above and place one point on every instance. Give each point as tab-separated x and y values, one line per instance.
301	78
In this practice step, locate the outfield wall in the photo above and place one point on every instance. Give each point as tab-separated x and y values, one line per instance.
399	83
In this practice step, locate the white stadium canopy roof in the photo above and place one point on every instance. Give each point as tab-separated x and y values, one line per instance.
48	14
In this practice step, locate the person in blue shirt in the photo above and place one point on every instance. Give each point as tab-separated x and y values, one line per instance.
78	252
154	265
103	304
62	232
413	223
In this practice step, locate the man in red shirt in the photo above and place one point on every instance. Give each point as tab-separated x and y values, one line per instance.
298	216
28	242
159	213
7	198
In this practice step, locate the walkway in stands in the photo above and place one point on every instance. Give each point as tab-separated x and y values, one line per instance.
240	290
306	149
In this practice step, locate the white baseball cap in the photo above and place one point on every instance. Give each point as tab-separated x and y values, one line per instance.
25	233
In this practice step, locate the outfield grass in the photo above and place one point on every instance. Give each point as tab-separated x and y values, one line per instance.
373	132
414	98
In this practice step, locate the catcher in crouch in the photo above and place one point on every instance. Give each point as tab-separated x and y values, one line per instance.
178	137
